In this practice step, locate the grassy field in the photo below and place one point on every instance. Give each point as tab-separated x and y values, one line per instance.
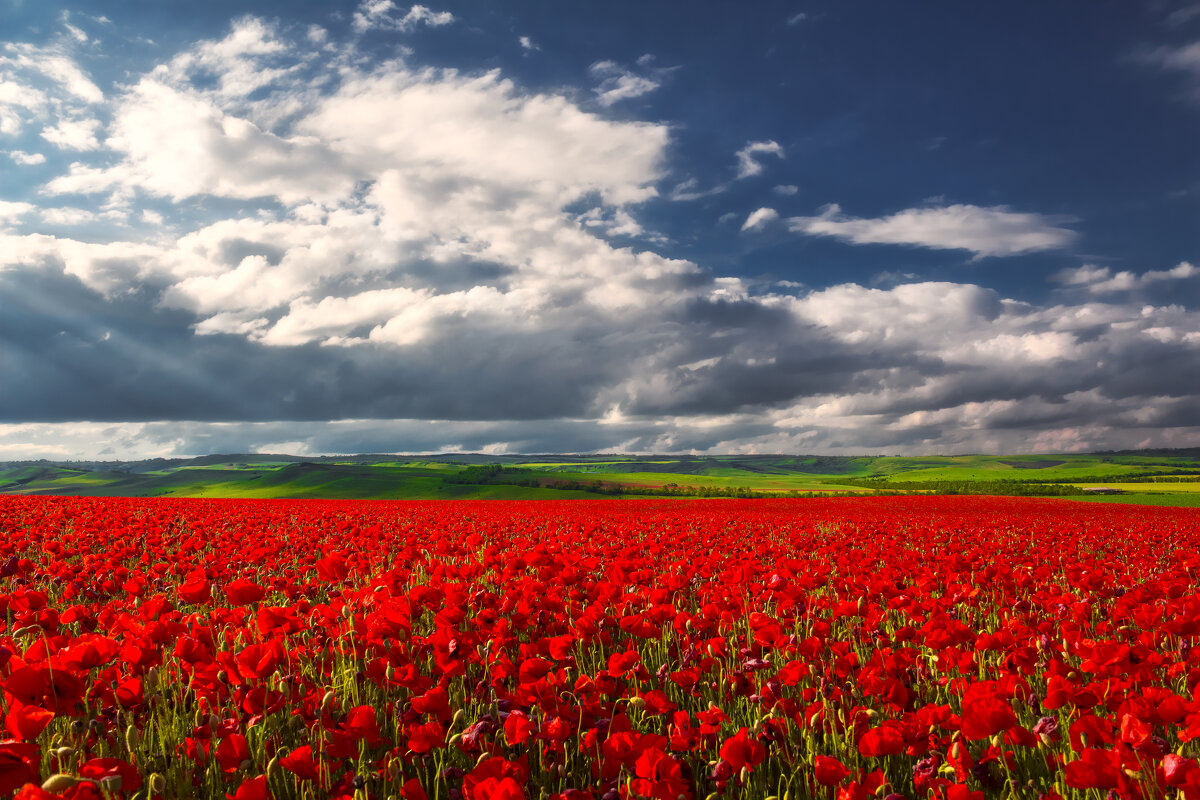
1157	475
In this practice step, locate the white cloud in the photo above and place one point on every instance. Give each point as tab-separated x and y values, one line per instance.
760	219
994	231
11	210
1184	58
73	134
408	218
748	164
618	83
384	14
785	190
67	216
26	159
796	19
54	63
528	44
1102	280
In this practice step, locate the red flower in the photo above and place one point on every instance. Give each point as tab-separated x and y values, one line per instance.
986	711
254	789
517	728
829	771
19	764
196	589
99	768
300	762
423	738
243	592
742	750
1095	769
886	740
231	752
25	721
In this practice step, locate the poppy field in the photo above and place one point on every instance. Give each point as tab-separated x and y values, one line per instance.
948	647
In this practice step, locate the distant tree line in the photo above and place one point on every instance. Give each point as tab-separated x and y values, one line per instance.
1004	488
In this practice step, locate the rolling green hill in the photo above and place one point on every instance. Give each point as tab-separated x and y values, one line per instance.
1170	477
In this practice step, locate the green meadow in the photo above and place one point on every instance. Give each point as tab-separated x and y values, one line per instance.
1149	477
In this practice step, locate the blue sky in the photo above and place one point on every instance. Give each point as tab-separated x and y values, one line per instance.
793	227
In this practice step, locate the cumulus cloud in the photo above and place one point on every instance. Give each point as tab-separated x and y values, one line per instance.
760	219
407	259
618	83
748	164
11	210
1102	280
73	134
994	231
26	159
1182	58
384	14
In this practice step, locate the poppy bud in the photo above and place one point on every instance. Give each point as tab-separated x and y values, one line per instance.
273	765
158	784
111	784
131	739
484	756
458	715
59	783
394	769
455	739
637	702
327	701
64	753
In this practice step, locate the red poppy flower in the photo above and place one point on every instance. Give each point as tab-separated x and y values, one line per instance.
743	750
829	771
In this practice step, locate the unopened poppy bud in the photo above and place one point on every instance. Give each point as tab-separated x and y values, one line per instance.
327	701
390	673
1133	773
455	739
637	702
214	722
273	765
158	784
59	783
152	678
713	796
222	676
394	769
744	774
245	765
997	740
484	756
131	739
458	715
110	784
64	753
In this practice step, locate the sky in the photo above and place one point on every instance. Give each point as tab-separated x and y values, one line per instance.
825	226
